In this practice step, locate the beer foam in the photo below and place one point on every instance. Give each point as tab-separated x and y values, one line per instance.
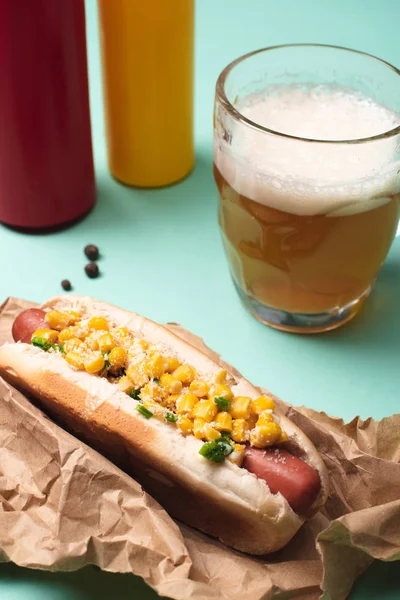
309	178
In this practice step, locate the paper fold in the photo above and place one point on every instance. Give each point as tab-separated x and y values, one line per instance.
63	506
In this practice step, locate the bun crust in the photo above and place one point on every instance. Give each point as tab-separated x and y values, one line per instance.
225	501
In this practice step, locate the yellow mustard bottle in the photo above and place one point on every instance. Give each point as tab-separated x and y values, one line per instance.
147	61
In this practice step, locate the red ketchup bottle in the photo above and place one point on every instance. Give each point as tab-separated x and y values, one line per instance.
46	162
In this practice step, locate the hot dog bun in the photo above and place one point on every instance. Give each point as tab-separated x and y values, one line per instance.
223	500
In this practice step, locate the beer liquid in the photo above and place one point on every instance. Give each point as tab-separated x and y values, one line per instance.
307	225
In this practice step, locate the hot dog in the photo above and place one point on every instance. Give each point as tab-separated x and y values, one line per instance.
286	474
26	323
214	451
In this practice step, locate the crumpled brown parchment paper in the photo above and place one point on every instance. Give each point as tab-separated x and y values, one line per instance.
63	505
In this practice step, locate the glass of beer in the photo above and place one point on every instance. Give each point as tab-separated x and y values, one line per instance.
307	165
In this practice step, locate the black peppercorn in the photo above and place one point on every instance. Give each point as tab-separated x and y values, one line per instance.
66	285
92	270
92	252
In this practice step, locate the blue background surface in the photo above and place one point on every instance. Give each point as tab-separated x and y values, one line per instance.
153	240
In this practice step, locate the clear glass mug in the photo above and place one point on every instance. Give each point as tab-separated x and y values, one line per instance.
307	165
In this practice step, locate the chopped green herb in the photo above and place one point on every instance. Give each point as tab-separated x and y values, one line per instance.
61	348
144	411
222	403
170	417
226	435
217	450
107	363
42	343
156	380
135	394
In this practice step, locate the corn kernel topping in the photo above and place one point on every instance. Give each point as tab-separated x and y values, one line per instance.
163	387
